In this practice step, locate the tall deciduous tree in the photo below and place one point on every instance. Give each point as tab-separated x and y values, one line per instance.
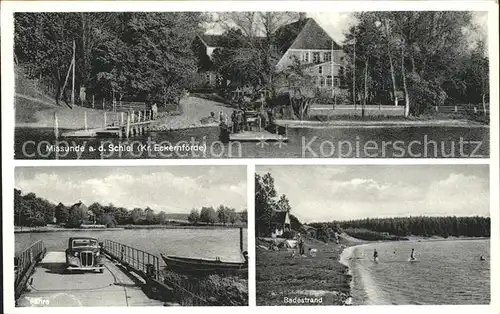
208	215
264	202
194	216
257	53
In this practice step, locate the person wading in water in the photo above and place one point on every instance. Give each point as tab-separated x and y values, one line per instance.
412	255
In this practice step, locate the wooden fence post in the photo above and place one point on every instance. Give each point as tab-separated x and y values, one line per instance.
85	119
105	124
241	239
121	118
456	109
127	130
56	126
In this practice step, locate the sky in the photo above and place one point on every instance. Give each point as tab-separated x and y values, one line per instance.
337	23
172	189
324	193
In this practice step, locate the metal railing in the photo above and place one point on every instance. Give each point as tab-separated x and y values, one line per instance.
25	263
145	264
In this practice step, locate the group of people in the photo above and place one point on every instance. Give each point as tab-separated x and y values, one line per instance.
412	255
238	120
301	246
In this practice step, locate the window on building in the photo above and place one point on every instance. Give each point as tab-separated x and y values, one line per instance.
336	82
329	80
328	56
306	56
320	70
321	81
316	58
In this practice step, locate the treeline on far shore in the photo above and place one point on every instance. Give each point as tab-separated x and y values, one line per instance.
400	228
33	211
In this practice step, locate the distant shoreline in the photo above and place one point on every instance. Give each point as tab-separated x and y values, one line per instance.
120	228
342	124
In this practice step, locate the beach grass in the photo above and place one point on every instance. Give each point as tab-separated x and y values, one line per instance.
280	276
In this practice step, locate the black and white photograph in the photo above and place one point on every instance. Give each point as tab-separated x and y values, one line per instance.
251	84
130	236
250	156
372	235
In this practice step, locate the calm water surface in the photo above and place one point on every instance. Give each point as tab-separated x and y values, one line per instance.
204	243
446	272
412	142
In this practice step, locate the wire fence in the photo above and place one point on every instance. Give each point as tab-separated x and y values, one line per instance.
464	109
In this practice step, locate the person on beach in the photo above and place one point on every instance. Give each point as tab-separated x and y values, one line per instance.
301	246
375	255
412	255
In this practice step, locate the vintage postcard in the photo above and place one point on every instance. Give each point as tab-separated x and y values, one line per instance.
251	84
130	236
371	235
202	155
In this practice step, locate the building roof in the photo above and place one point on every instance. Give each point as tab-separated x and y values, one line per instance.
279	217
304	34
80	206
301	34
211	40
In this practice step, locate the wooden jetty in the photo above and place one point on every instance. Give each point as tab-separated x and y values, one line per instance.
131	277
254	131
116	124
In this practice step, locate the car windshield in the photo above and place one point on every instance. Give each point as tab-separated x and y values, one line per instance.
84	242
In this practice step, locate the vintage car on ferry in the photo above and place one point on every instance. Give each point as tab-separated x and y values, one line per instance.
84	254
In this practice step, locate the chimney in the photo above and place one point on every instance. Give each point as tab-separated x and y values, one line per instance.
302	16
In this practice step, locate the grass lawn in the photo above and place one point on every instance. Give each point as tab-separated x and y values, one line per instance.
280	275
